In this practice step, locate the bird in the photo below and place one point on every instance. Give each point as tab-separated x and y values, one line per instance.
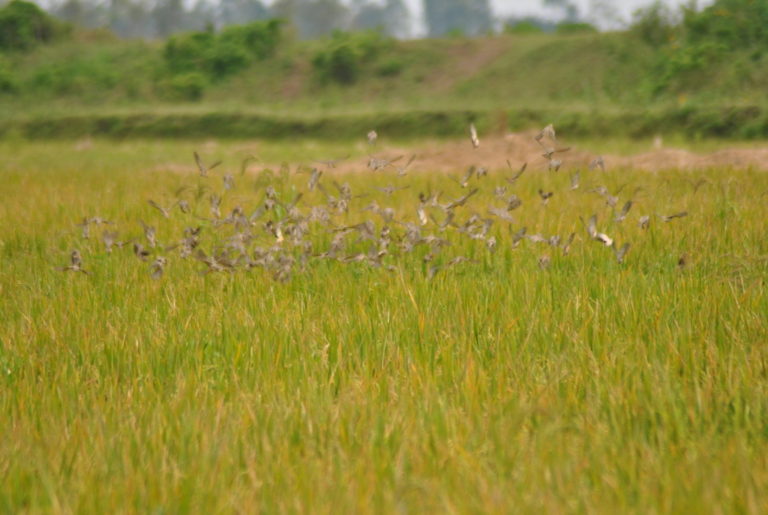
460	201
75	263
165	211
598	236
202	167
473	136
389	190
597	162
150	232
549	152
140	252
517	175
567	244
109	238
621	252
372	137
624	210
575	180
545	196
314	178
157	267
402	171
332	163
229	181
669	218
547	132
375	164
464	182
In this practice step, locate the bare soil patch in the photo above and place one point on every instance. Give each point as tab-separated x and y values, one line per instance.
519	148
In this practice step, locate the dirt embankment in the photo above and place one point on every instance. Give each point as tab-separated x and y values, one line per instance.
516	149
519	148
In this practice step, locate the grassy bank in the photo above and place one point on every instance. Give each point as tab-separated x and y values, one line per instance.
703	77
734	123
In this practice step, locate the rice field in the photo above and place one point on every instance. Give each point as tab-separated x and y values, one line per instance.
306	354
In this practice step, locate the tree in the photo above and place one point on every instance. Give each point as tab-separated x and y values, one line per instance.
238	12
569	11
130	19
169	17
313	18
392	18
471	17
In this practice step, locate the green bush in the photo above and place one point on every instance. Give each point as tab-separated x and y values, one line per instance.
186	52
704	41
346	55
8	81
76	76
260	39
188	86
24	25
223	54
523	27
575	28
391	67
225	58
654	24
737	24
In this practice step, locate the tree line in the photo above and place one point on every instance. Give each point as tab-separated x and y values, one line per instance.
152	19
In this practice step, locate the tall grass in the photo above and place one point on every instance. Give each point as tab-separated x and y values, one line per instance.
494	387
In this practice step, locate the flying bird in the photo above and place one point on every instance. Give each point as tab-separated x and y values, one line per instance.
75	263
473	136
202	166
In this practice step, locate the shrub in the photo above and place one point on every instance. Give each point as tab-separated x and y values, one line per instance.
224	54
346	54
8	82
24	25
654	24
189	86
523	27
391	67
186	52
225	58
575	28
260	39
734	23
704	39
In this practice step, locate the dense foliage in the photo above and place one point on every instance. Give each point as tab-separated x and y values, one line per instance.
225	53
344	56
729	32
24	25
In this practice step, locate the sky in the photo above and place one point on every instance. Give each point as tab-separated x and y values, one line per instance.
505	8
521	8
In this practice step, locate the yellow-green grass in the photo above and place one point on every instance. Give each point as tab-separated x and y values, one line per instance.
496	386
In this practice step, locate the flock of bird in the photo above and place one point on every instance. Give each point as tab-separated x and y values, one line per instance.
284	236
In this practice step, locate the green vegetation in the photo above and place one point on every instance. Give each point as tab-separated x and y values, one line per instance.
496	386
23	25
702	75
720	42
344	58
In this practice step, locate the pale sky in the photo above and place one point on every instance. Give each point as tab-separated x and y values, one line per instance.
624	8
521	8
